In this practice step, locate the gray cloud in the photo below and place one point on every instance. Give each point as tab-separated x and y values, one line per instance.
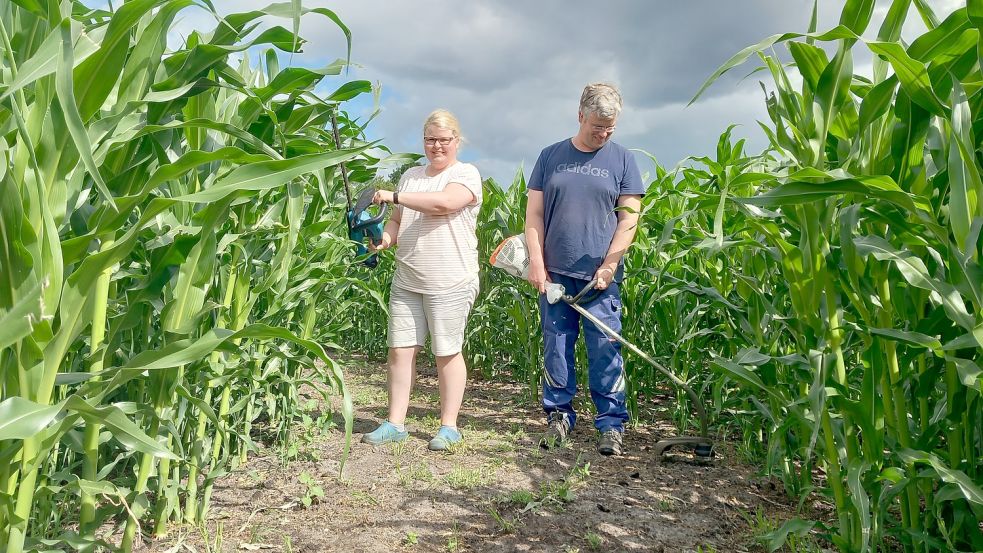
513	71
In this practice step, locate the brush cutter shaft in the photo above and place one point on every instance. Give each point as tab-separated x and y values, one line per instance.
694	399
512	256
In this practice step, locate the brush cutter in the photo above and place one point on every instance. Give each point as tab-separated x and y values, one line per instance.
512	256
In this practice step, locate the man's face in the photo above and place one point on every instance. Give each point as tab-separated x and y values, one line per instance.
595	131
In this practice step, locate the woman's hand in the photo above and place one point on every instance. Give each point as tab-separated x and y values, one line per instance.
387	241
382	197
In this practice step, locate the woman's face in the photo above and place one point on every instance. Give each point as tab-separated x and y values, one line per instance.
440	146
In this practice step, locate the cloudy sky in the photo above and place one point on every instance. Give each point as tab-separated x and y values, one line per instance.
513	70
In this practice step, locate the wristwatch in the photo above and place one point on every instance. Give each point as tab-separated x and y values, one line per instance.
396	198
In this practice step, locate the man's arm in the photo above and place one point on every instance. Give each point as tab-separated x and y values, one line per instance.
631	204
535	229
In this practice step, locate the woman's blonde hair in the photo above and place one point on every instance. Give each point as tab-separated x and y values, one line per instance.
443	119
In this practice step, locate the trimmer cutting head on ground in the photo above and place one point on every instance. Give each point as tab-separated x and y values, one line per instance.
512	256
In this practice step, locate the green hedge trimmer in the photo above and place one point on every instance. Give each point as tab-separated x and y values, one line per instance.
362	224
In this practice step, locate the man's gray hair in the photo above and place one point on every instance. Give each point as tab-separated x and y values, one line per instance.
601	99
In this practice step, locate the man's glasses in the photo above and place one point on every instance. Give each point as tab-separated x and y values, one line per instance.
602	128
443	140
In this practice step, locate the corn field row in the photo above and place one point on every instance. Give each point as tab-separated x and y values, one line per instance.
174	268
165	250
826	295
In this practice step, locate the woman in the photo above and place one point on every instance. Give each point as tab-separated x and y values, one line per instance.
436	279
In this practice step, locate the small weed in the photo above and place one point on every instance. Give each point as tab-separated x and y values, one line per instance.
581	472
506	525
364	498
593	540
522	497
430	424
300	438
369	396
553	493
462	478
503	446
419	472
398	448
259	534
424	397
525	499
667	505
313	493
497	462
764	531
411	538
556	492
517	434
562	491
706	549
551	442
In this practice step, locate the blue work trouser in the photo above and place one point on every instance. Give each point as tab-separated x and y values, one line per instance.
606	375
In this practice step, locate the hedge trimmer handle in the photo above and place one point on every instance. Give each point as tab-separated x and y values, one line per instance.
363	225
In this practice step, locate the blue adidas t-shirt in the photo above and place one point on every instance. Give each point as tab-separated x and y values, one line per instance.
580	192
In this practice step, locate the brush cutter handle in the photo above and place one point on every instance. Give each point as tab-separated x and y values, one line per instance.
580	297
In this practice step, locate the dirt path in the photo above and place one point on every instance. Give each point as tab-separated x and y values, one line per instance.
499	492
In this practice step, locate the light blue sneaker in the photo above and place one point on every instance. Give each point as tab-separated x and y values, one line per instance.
386	433
445	438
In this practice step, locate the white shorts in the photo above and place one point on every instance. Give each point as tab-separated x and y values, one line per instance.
444	316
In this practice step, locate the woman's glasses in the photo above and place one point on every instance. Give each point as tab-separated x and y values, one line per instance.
443	140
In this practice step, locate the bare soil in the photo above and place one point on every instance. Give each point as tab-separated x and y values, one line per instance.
499	492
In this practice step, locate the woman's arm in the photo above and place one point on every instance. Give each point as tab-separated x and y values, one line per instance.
454	197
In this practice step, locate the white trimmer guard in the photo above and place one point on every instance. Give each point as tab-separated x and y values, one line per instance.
512	256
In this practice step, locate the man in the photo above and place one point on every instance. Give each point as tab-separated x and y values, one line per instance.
575	234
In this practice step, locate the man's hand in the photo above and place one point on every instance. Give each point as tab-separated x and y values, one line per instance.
538	277
603	276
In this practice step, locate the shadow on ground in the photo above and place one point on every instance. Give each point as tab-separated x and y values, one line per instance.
499	492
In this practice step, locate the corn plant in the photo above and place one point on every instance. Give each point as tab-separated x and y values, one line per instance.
870	209
504	335
164	235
